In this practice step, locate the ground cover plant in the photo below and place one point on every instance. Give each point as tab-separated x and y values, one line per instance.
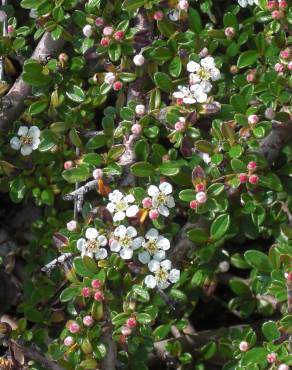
145	184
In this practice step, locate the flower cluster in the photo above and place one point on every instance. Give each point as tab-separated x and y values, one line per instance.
245	3
250	176
120	205
160	200
202	74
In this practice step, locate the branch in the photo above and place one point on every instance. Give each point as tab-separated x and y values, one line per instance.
80	192
20	91
110	360
57	261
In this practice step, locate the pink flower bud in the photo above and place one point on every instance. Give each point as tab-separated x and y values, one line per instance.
131	323
99	21
98	296
87	30
252	166
283	367
290	66
243	346
88	320
271	5
276	14
107	31
201	197
253	179
68	164
10	29
119	35
269	113
180	126
200	187
253	119
85	292
285	54
147	202
136	129
251	76
140	109
283	5
118	85
242	178
105	41
74	328
234	69
272	357
71	225
183	5
279	67
126	331
203	53
288	277
96	284
69	341
153	214
229	32
158	15
97	174
194	204
138	60
165	157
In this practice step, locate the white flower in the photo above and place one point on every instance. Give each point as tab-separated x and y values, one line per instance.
245	3
154	247
91	246
163	274
183	5
203	72
174	15
161	198
125	241
87	30
29	139
185	94
109	78
120	207
140	109
139	60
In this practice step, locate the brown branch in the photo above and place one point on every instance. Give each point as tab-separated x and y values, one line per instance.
20	91
110	360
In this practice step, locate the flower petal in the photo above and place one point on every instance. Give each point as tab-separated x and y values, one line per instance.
131	231
26	150
22	131
163	284
174	275
102	240
91	233
111	207
120	231
144	257
165	187
34	132
159	256
164	211
193	66
166	264
115	246
137	242
153	190
101	254
170	202
126	253
15	143
150	281
35	143
132	211
119	216
153	265
81	244
163	243
130	198
152	234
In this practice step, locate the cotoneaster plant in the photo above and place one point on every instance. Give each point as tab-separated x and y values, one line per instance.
154	139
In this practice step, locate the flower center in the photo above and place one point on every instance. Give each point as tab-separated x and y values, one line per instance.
203	74
126	241
151	246
121	205
26	140
161	198
92	246
161	275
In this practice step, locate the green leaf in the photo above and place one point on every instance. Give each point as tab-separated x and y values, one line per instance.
142	150
175	67
161	331
115	52
69	293
215	189
144	318
88	364
97	142
17	189
115	152
239	287
141	293
258	260
238	103
271	181
142	169
132	5
256	355
195	21
165	27
161	54
169	168
48	141
163	81
76	94
205	146
247	58
47	197
77	174
220	226
270	330
37	107
198	236
187	195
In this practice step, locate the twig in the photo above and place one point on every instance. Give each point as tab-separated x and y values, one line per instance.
4	34
57	261
77	200
109	362
90	185
20	91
